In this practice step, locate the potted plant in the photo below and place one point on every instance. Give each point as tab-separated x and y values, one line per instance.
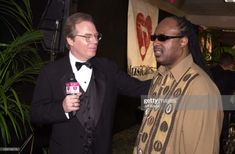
19	63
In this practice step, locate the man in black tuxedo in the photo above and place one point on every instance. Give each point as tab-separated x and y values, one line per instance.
88	130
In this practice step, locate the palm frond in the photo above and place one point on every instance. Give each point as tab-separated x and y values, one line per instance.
21	14
19	63
4	129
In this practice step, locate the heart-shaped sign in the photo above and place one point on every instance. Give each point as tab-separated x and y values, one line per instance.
144	30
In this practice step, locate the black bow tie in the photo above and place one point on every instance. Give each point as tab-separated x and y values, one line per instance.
79	65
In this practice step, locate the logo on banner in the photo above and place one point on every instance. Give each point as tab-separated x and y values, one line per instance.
144	30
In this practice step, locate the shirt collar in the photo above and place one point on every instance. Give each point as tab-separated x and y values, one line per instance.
178	70
73	60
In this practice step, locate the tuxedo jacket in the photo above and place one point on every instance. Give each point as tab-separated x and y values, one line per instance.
68	135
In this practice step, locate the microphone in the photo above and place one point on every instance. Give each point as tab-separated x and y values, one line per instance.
72	87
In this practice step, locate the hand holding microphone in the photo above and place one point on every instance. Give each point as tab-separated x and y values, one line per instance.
71	102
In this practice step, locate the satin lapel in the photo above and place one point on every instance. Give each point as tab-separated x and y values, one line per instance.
67	69
99	78
63	80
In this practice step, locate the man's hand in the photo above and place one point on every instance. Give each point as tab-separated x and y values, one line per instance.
71	103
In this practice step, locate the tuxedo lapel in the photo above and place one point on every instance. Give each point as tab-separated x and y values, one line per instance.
67	71
63	80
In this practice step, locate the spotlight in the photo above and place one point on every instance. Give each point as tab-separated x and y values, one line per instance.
229	1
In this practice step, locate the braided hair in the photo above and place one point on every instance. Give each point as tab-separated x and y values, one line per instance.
190	31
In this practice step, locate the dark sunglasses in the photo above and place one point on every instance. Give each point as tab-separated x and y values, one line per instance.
162	37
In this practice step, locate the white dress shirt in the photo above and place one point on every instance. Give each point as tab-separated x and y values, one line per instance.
83	75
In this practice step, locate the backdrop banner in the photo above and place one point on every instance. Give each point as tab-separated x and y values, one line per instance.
142	20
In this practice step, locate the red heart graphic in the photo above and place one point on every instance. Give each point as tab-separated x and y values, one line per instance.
144	30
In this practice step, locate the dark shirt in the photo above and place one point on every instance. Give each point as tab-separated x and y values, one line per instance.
224	79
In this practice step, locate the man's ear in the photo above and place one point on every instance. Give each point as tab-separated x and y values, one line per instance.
70	41
183	41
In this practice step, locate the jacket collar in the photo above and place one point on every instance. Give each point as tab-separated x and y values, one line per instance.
177	71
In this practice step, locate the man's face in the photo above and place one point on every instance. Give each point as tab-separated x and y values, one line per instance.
171	51
84	45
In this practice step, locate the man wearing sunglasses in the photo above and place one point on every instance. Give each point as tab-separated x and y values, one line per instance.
81	124
185	113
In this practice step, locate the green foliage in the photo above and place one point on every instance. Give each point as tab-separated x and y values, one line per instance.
19	63
219	50
18	11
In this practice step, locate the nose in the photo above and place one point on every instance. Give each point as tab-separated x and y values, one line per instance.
156	42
